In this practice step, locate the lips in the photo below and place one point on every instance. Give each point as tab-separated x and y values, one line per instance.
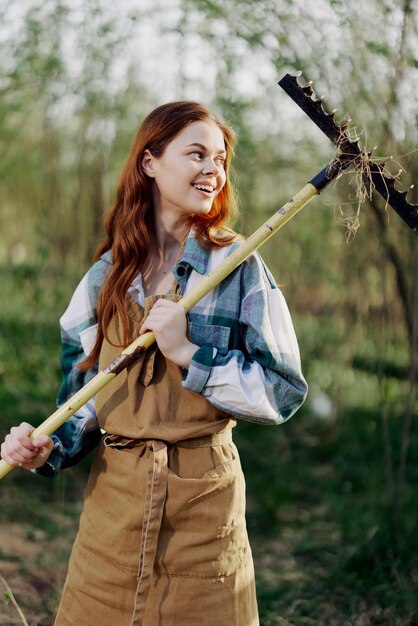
205	188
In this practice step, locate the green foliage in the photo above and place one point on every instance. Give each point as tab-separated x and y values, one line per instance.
318	507
331	498
326	539
32	300
379	48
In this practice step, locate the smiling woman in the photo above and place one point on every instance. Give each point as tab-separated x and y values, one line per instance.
190	173
162	536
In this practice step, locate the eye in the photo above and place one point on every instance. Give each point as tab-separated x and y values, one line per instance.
198	154
220	160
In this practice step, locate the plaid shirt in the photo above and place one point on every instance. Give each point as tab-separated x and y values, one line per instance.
247	365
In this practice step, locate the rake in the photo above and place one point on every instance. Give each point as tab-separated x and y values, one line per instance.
349	154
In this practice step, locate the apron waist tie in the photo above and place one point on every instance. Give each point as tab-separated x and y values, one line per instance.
155	496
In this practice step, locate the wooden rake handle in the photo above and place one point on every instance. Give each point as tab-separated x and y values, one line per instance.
330	172
209	282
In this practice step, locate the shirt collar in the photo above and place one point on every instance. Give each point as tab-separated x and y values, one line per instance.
194	255
107	257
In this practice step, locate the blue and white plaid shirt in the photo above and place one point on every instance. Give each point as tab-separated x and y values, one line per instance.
248	363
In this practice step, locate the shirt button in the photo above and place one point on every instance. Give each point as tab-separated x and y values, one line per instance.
181	271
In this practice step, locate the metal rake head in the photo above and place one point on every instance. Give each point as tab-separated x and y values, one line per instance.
304	96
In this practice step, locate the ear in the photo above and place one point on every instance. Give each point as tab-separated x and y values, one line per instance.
148	164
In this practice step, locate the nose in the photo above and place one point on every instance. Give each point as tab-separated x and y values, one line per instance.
210	167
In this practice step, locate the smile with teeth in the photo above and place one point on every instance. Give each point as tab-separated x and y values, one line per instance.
205	188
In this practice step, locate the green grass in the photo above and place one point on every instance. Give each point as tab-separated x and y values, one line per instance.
331	543
318	499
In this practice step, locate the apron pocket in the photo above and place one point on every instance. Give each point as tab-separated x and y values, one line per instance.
220	470
203	532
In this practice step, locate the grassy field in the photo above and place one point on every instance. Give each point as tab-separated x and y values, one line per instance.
334	541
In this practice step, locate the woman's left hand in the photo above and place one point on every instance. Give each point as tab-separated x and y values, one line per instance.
168	322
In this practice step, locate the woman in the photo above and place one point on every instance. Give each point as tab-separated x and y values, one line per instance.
162	536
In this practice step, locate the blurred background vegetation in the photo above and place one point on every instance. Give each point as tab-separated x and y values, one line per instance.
332	495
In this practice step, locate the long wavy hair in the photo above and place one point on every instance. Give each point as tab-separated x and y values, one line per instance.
129	223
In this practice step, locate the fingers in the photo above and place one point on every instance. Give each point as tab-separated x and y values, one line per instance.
168	321
21	433
163	306
44	446
43	441
12	457
163	313
19	450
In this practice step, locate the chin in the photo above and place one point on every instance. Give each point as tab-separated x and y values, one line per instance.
202	210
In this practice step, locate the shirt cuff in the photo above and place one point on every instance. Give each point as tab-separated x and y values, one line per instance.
54	462
195	378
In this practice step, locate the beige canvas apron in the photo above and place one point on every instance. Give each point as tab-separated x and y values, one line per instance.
162	538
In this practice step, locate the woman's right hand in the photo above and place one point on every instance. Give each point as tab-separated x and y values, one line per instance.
19	450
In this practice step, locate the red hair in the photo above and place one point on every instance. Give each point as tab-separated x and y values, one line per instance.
129	223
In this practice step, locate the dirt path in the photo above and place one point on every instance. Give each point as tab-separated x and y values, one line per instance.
33	565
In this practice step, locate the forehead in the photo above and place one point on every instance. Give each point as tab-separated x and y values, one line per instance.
204	132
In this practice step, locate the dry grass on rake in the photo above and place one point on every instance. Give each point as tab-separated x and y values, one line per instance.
360	177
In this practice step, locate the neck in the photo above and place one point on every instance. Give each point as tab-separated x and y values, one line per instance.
170	231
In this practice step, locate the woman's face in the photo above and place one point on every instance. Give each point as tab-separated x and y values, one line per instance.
190	173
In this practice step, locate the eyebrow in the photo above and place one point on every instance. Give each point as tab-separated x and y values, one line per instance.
202	147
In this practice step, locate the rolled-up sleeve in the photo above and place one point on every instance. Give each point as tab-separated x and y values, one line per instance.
261	380
80	433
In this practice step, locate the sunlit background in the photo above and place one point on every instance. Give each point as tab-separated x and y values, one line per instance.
331	495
